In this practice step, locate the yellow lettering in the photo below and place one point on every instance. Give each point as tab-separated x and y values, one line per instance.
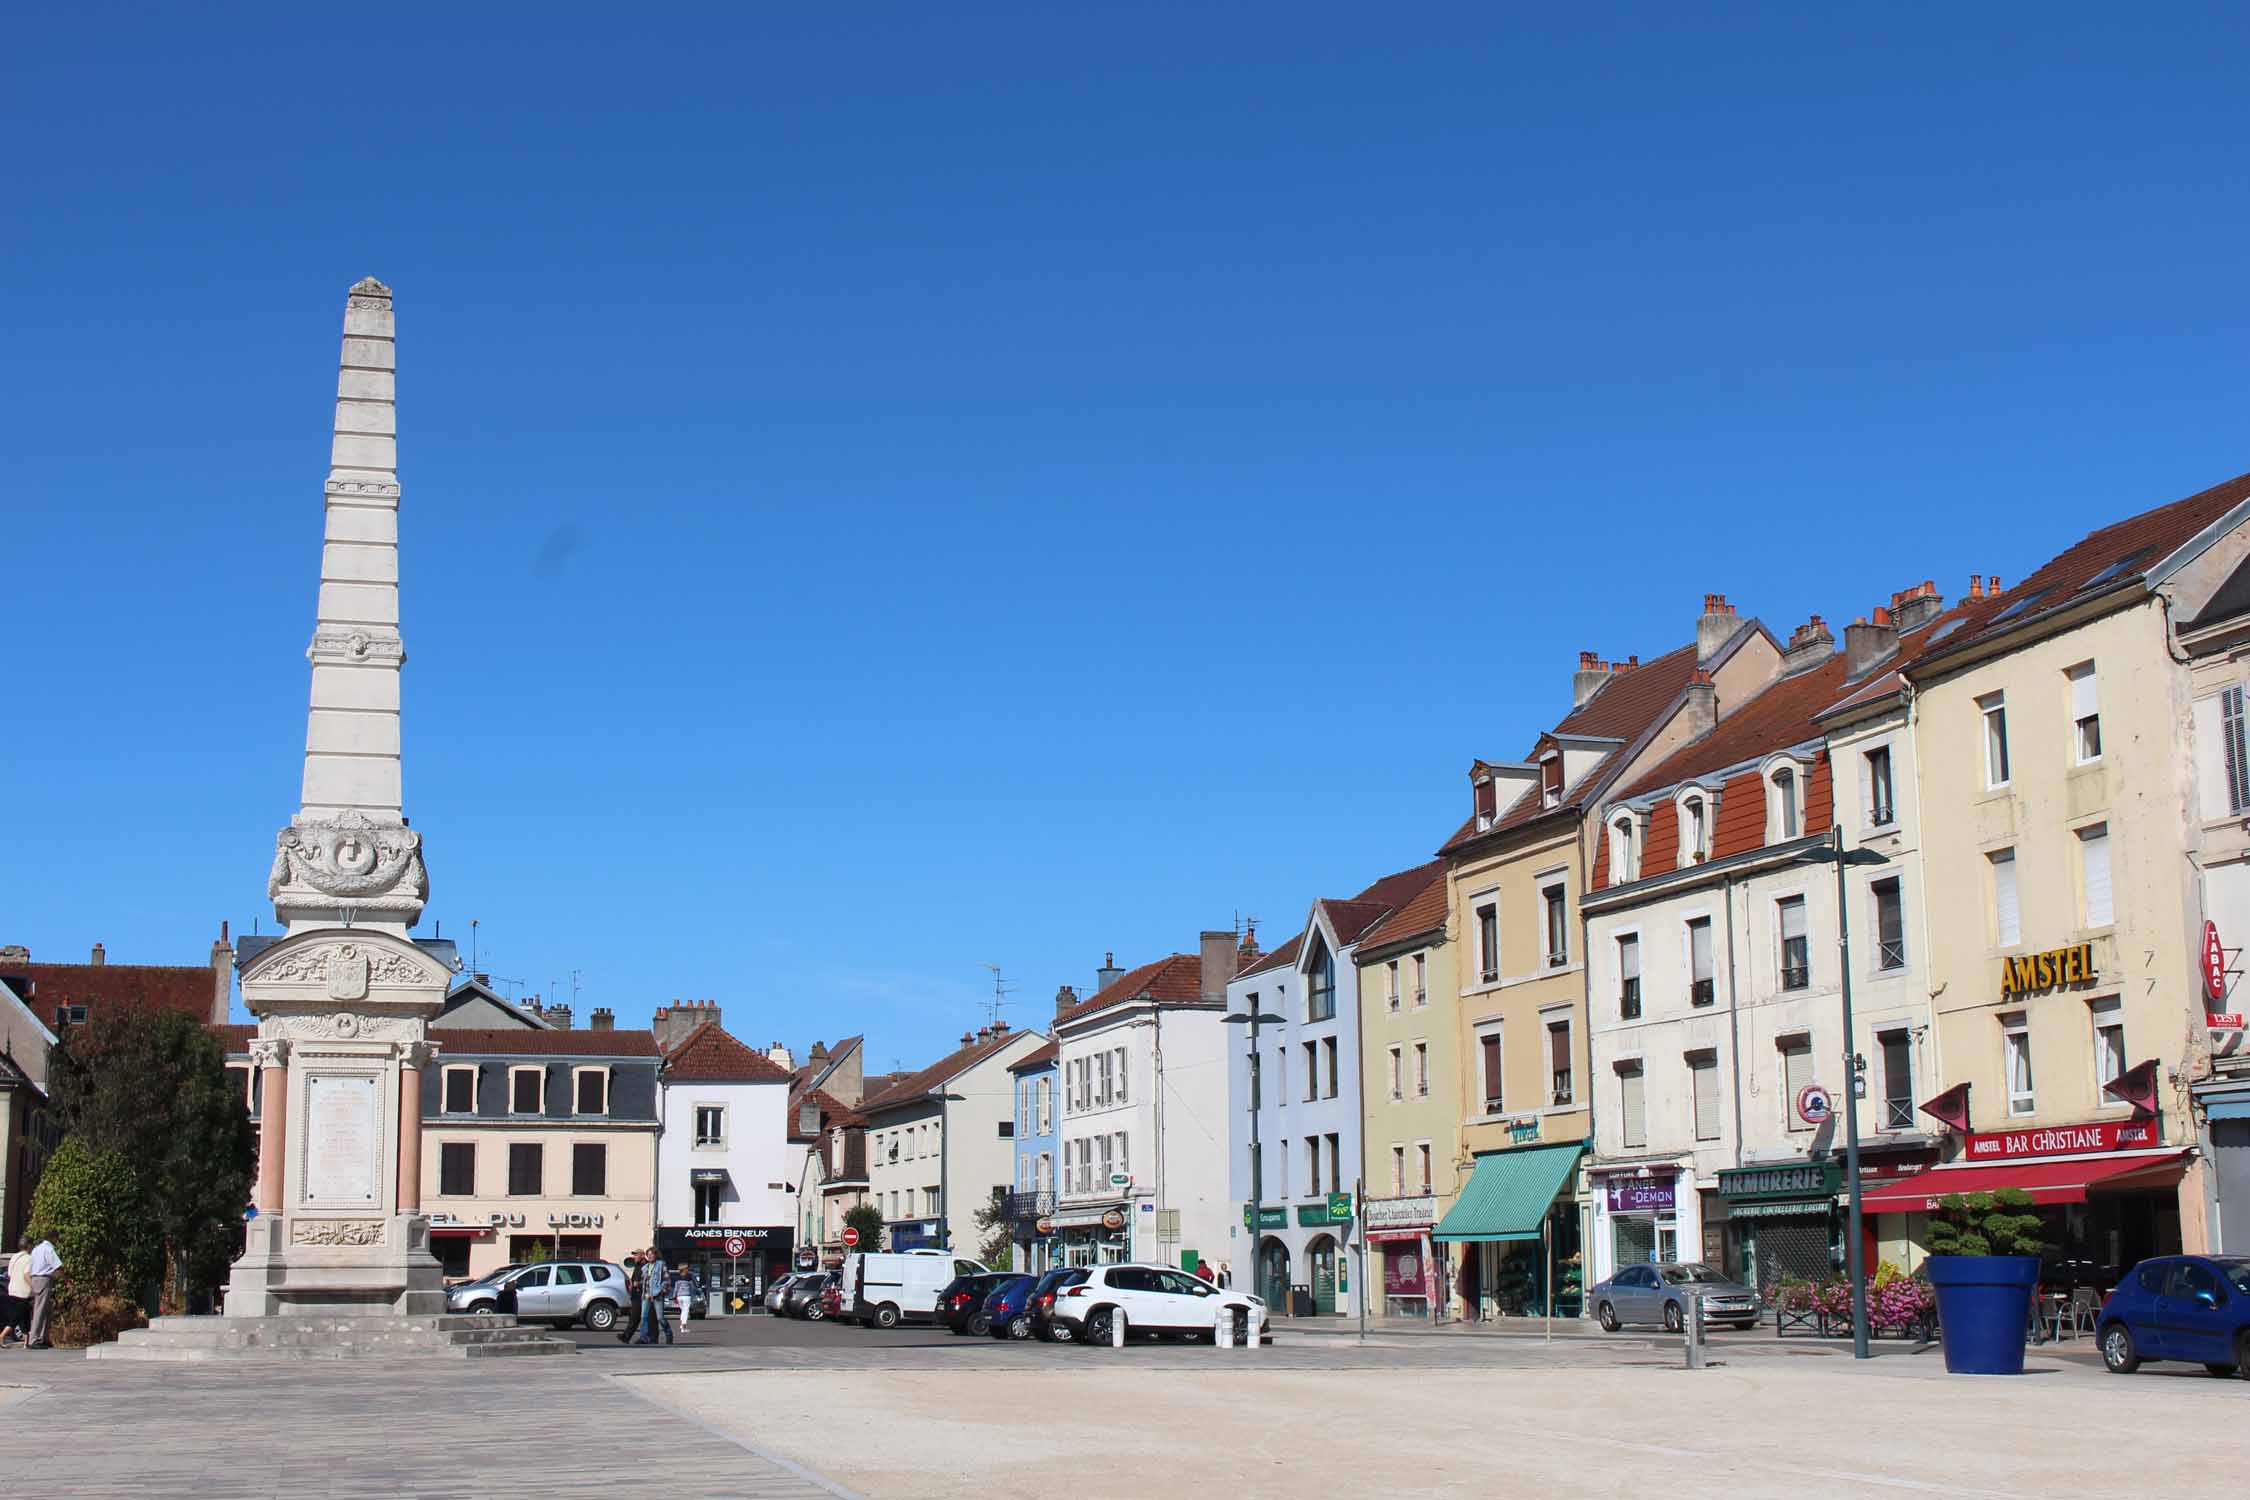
2046	979
2077	966
2007	977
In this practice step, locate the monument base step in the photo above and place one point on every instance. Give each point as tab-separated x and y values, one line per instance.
326	1337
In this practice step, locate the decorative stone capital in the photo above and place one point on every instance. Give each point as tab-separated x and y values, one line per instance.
269	1052
417	1055
356	648
368	286
348	862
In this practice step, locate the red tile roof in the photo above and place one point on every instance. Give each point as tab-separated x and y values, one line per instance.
1423	911
1281	957
184	988
1038	1059
235	1037
514	1041
712	1054
2142	541
914	1085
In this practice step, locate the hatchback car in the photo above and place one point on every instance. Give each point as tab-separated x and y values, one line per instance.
562	1292
1043	1294
1007	1311
1659	1294
777	1295
2186	1307
1155	1300
960	1306
806	1299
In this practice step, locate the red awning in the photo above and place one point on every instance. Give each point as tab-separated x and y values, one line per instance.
2061	1180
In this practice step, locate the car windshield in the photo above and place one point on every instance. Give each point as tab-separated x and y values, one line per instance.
1682	1275
2236	1271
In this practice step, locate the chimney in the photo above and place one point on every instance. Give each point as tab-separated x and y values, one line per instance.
1869	641
1065	998
675	1022
1913	608
1715	626
1976	585
222	977
1588	679
603	1019
483	979
984	1034
781	1057
1702	705
1809	645
559	1017
99	957
1108	974
15	953
1219	958
968	1039
999	1028
818	1053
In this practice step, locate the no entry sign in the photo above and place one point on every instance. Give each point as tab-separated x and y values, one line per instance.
736	1244
851	1237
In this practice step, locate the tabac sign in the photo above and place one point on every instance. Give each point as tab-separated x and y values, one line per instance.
2034	973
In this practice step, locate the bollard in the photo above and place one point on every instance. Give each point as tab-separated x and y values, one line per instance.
1117	1329
1222	1329
1693	1329
1253	1320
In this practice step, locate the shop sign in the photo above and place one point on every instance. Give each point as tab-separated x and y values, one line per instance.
2033	973
1044	1224
1630	1195
1268	1218
574	1221
2224	1020
485	1221
1800	1179
2060	1140
1402	1273
1524	1128
1114	1219
1384	1213
1336	1208
2214	963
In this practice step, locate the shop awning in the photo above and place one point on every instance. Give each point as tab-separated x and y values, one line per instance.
2061	1180
1509	1194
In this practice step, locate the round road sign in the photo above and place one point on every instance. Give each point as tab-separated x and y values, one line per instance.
736	1244
1814	1107
851	1237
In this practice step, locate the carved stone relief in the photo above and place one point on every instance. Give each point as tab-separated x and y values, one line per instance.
336	1232
351	858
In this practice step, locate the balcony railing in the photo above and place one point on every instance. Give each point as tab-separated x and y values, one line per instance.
1025	1208
1629	998
1701	992
1561	1090
1891	955
1796	976
1898	1114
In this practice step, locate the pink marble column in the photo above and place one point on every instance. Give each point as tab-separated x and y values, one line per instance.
414	1059
271	1058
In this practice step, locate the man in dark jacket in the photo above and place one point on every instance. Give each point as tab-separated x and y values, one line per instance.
631	1324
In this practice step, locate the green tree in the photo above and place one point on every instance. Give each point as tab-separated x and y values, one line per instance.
868	1220
88	1203
1996	1223
152	1088
997	1248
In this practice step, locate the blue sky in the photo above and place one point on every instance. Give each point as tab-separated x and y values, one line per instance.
893	491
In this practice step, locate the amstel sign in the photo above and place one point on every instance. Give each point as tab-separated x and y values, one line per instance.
2033	973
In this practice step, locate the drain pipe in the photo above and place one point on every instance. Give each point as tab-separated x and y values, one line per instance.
1734	1021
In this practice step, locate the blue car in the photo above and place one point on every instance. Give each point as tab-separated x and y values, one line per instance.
1007	1308
2187	1307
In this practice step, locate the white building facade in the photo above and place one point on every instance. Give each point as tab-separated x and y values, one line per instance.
725	1166
940	1143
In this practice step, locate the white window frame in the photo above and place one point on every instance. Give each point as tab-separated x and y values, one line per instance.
1425	1181
516	1071
1488	962
695	1119
1398	1169
1421	1068
1699	1060
1869	807
1046	1103
1565	1013
1618	940
1398	1072
1688	924
1785	801
2082	691
1624	850
1692	808
1992	737
449	1070
1421	981
1781	942
1553	894
2106	1012
2015	1028
2006	886
1875	964
1391	992
1631	1067
578	1073
2097	897
1788	1044
1491	1103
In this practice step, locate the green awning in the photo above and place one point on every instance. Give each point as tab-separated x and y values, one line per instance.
1509	1194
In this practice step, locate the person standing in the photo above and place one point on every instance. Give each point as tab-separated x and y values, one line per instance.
632	1320
15	1317
685	1288
655	1276
44	1264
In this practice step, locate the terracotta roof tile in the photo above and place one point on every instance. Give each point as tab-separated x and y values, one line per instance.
1281	957
184	988
1176	979
1038	1059
513	1041
1423	911
712	1054
235	1037
951	1066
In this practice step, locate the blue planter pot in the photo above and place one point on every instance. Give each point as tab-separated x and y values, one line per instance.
1984	1305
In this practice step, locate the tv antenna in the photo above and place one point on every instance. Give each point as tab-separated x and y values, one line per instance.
1001	990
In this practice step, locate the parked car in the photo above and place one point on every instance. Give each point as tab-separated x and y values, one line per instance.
492	1277
1007	1309
777	1295
2186	1307
1659	1294
960	1305
832	1298
884	1290
1043	1294
561	1292
808	1295
1156	1300
485	1294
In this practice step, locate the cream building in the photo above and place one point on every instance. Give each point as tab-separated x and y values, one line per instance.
936	1152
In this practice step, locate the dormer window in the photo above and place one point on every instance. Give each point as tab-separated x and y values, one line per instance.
1785	808
1550	780
1487	795
1624	850
1695	829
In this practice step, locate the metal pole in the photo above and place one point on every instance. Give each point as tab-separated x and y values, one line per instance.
1547	1244
1359	1210
944	1182
1855	1257
1257	1152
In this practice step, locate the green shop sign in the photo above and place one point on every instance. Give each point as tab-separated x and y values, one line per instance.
1801	1179
1268	1218
1336	1210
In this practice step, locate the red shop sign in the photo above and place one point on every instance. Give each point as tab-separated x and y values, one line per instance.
2060	1140
2214	963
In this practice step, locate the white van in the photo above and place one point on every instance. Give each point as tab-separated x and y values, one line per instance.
883	1291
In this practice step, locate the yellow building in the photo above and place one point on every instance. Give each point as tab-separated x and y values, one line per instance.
2054	736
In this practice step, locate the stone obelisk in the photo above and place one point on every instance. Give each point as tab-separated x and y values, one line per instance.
344	1001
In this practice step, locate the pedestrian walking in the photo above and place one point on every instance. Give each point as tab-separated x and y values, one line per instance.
655	1277
44	1264
685	1289
15	1307
631	1324
1203	1269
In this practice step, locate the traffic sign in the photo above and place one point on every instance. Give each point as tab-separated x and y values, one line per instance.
1814	1107
851	1236
736	1244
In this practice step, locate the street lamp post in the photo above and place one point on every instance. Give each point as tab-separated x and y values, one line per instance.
1855	1255
1255	1018
944	1160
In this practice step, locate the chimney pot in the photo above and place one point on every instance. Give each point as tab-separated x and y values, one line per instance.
100	957
1992	584
1715	627
1976	585
968	1039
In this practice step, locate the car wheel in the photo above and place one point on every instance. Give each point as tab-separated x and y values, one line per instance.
2242	1354
1019	1327
1671	1317
1097	1326
2117	1350
813	1314
602	1317
484	1309
1060	1333
1607	1317
980	1325
1746	1327
2226	1370
886	1316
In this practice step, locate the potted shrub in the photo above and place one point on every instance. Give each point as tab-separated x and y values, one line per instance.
1984	1265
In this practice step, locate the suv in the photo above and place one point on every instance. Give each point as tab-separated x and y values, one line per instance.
1154	1299
1043	1295
562	1292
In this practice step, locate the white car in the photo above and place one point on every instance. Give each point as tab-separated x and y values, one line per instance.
884	1290
1154	1299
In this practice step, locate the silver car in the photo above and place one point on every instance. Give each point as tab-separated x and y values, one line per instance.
1659	1294
562	1292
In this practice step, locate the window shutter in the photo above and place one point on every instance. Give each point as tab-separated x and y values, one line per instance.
1635	1107
2005	911
1629	957
2082	697
1493	1091
2093	848
1704	1070
1699	950
2238	752
1792	918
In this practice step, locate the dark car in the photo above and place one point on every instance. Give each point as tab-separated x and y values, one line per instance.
1007	1308
1043	1294
960	1306
2187	1307
805	1297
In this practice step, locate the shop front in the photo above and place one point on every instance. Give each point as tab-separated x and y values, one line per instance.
2107	1192
1778	1221
1644	1213
467	1243
1399	1244
740	1260
1093	1234
1517	1228
2225	1104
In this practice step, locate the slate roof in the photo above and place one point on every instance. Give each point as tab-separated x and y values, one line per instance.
712	1054
947	1068
511	1041
2130	547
